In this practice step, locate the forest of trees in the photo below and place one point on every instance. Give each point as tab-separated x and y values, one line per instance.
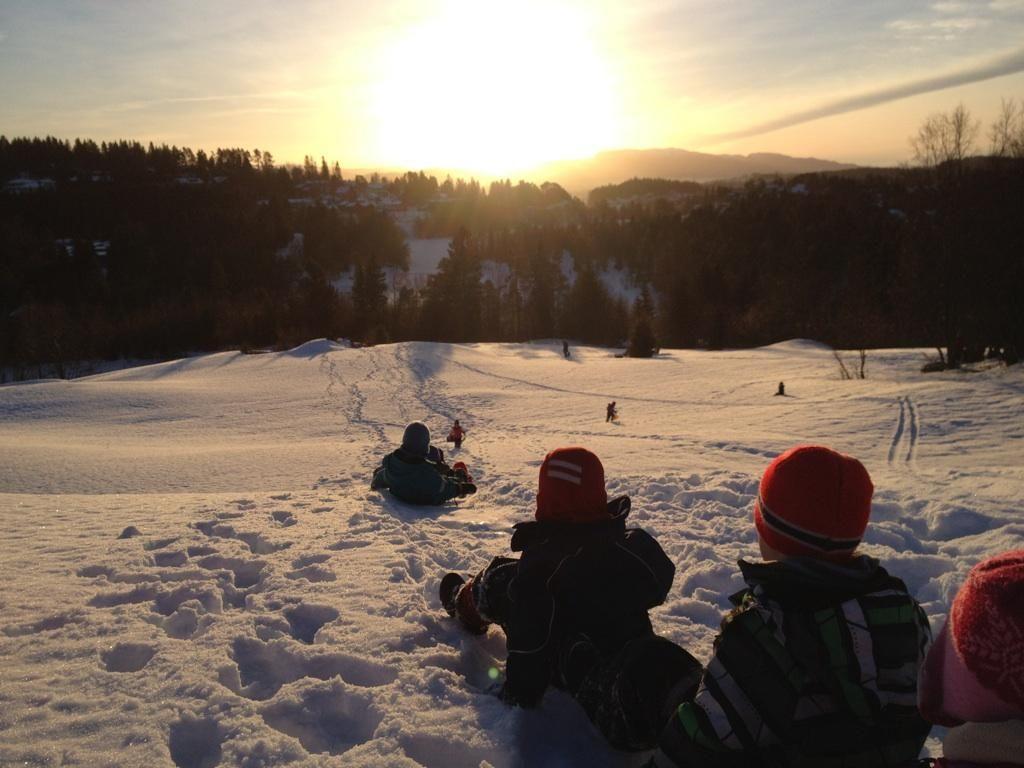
133	251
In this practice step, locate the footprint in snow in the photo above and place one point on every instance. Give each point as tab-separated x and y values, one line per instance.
262	668
92	571
47	624
244	573
127	657
414	567
257	543
306	619
184	623
314	573
195	742
436	751
348	544
170	559
325	717
304	560
149	546
210	598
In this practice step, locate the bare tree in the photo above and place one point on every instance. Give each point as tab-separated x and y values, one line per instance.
945	136
1007	132
844	372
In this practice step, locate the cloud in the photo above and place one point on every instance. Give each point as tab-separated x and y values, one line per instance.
961	24
1006	64
945	27
144	104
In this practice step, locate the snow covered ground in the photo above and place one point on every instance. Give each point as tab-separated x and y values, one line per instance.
270	609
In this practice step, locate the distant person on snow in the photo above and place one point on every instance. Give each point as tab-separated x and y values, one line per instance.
411	475
456	434
565	349
574	607
817	665
973	679
610	413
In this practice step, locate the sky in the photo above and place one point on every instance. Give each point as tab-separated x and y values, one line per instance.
497	87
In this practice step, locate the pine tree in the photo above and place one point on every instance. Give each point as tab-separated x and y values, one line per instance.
642	342
451	311
587	312
512	311
369	296
545	279
490	312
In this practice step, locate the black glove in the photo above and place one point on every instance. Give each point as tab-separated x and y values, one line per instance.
467	489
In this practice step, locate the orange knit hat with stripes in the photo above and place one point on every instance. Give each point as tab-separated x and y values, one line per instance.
813	502
571	487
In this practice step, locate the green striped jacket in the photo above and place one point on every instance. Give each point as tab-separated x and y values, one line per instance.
817	666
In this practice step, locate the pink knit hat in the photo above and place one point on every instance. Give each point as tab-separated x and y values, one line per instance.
975	670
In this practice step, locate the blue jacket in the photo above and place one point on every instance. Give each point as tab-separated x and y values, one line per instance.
414	479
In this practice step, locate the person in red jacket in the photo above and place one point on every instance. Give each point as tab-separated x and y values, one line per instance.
973	678
456	434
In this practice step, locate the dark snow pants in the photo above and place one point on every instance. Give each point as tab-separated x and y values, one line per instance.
630	696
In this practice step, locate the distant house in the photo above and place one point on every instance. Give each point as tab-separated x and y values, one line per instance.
26	184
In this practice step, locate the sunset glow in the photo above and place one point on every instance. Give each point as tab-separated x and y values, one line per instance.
495	88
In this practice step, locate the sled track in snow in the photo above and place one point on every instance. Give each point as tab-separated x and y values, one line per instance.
599	395
427	390
903	447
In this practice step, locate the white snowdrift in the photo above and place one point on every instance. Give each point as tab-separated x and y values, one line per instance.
272	610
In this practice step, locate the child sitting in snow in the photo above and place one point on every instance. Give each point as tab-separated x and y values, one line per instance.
817	665
973	678
411	475
456	434
574	606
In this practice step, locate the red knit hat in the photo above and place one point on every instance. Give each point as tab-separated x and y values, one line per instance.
571	487
813	502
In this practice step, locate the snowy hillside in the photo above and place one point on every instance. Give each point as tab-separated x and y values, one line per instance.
272	610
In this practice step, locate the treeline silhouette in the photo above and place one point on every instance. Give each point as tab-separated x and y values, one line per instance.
125	250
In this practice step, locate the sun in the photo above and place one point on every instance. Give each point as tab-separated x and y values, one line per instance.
494	88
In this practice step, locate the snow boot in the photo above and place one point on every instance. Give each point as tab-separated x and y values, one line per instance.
449	591
457	598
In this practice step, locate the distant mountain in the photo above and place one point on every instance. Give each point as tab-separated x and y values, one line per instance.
616	166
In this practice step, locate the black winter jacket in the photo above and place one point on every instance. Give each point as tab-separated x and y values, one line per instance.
598	579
